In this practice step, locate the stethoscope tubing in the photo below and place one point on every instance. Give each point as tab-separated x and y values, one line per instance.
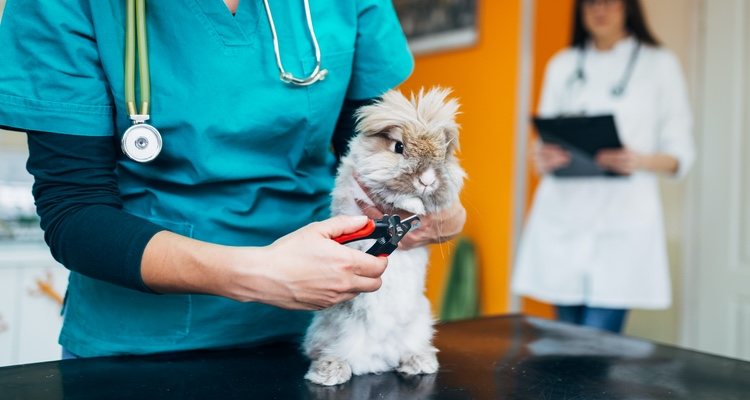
317	74
136	30
618	90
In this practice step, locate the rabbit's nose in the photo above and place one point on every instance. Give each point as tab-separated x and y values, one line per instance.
427	178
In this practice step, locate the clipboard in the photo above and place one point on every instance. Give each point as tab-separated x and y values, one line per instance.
582	137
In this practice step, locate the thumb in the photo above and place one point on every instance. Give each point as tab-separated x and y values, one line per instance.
340	225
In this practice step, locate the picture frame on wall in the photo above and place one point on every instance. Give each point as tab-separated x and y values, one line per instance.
438	25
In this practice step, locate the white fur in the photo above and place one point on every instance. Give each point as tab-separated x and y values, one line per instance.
375	332
390	329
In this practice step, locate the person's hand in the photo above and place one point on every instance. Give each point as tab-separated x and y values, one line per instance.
434	228
549	157
306	269
622	161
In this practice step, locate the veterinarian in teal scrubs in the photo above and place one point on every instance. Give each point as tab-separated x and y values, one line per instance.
246	160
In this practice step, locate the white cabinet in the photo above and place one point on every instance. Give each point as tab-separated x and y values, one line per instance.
31	285
9	301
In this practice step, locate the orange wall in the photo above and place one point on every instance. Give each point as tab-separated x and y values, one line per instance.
552	28
484	78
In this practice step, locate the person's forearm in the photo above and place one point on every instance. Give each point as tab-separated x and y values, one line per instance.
304	270
177	264
659	163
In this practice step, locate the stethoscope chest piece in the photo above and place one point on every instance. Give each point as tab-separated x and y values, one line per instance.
141	142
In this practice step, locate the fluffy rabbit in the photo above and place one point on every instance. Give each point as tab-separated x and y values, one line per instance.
402	158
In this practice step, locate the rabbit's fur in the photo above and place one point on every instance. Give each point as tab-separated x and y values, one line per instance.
392	327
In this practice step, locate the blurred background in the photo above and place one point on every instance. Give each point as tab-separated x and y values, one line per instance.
493	54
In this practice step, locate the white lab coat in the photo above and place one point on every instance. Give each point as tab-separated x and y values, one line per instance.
598	241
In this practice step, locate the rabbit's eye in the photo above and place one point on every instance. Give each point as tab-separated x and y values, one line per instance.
398	147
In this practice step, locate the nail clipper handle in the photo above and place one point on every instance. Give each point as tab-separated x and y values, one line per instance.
364	232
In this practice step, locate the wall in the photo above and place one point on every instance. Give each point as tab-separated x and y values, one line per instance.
15	141
484	78
675	23
552	27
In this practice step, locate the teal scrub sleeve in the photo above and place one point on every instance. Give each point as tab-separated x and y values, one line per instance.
382	59
51	78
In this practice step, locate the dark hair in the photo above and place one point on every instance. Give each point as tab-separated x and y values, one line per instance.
635	23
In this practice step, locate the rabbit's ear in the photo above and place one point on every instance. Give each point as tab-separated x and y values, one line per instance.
438	112
385	114
451	138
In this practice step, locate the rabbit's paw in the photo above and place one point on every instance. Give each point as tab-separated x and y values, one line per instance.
415	364
411	204
329	371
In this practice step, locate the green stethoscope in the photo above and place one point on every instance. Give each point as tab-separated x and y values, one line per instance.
142	142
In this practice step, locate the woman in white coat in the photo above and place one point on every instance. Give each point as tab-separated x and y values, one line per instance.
595	247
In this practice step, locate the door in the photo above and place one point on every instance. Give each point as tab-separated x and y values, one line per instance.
717	309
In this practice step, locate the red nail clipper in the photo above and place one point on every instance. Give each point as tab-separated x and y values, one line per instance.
387	231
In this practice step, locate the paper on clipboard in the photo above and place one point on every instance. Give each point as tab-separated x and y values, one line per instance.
582	137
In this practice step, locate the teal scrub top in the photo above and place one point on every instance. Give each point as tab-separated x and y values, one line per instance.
246	157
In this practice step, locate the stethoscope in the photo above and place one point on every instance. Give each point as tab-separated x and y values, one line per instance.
619	89
142	142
